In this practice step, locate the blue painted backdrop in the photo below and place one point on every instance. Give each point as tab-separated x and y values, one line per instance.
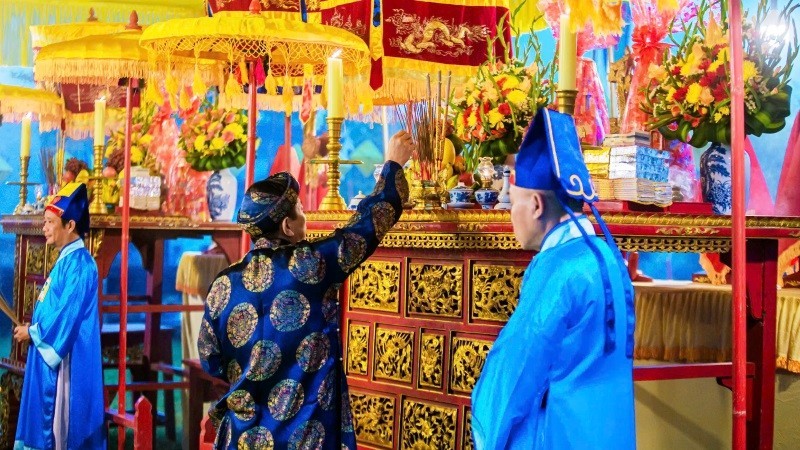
360	140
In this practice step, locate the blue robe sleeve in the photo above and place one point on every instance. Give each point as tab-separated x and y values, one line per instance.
516	373
65	307
347	247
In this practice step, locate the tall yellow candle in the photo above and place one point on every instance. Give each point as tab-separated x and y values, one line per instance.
99	122
567	56
25	137
333	85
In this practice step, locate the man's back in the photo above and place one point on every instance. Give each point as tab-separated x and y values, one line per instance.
548	381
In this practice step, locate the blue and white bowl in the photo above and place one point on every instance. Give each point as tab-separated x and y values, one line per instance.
460	194
487	197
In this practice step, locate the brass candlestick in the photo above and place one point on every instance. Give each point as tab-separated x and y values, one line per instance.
565	101
333	201
23	184
97	206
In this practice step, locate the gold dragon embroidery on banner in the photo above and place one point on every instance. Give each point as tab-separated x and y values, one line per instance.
359	28
434	35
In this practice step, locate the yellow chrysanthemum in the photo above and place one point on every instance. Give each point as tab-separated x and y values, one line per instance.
472	120
199	143
517	97
137	155
217	143
495	117
236	129
749	70
511	83
693	95
459	125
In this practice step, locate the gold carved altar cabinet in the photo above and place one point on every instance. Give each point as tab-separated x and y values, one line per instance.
423	312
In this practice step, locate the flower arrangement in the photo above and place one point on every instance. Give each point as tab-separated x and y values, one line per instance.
689	96
499	103
141	138
213	138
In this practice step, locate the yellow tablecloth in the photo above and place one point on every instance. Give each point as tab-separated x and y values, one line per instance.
196	272
690	322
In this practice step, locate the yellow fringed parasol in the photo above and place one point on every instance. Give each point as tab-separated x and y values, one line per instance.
286	46
46	107
103	60
44	35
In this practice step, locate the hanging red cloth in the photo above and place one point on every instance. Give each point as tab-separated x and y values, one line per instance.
787	201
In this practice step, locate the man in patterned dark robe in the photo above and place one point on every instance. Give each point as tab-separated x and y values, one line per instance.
271	322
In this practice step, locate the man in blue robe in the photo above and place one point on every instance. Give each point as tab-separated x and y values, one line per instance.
62	393
560	374
271	322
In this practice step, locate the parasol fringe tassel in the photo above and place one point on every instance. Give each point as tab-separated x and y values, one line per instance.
785	259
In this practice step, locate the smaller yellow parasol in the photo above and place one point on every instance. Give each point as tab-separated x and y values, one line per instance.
44	35
46	107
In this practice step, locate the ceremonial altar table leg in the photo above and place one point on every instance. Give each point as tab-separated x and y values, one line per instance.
762	298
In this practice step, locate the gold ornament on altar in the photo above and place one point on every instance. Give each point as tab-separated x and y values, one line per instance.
433	168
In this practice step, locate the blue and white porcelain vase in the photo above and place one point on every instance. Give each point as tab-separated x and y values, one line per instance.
715	177
222	187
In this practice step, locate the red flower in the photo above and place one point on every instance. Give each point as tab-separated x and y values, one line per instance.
486	107
504	109
704	64
719	93
680	94
676	71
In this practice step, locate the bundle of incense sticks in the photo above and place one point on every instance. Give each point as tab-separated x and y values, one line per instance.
426	120
8	311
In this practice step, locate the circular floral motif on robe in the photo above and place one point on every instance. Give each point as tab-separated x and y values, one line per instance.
326	391
379	185
289	311
347	415
242	405
242	323
218	296
309	436
265	358
401	184
285	399
313	351
330	303
352	251
307	265
257	276
207	342
382	218
258	438
234	371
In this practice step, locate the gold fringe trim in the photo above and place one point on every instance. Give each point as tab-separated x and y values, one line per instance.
88	71
785	260
783	362
46	122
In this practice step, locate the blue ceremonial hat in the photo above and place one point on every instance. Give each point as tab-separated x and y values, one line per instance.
267	202
72	203
550	158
